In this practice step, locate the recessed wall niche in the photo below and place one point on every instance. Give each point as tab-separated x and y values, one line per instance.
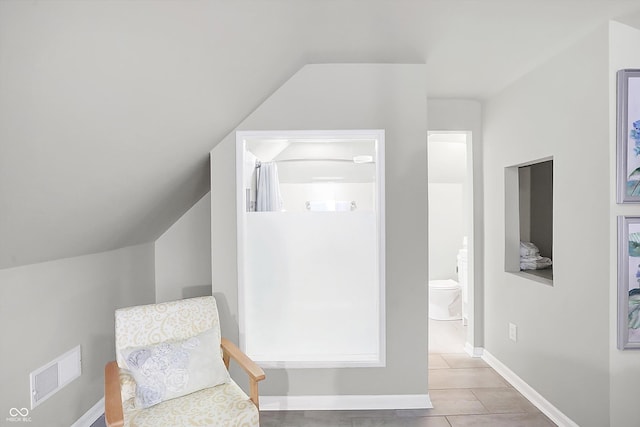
529	220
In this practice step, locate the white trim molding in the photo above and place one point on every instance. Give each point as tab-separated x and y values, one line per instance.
91	415
527	391
473	351
345	402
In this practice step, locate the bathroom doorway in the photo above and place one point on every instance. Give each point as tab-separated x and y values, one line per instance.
450	190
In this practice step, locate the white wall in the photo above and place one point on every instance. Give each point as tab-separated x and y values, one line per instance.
455	115
560	109
446	229
294	196
448	210
624	52
183	255
107	120
47	309
348	96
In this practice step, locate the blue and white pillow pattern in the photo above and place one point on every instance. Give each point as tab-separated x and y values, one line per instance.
172	369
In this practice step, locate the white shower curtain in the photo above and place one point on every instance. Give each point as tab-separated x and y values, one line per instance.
250	176
268	198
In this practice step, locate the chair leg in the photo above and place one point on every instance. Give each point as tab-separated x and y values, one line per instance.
113	403
253	393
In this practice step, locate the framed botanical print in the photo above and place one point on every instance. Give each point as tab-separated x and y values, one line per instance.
628	136
628	282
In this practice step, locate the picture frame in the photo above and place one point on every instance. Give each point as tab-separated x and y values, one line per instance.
628	282
628	136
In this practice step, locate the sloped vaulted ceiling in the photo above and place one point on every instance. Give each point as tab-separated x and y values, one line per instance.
108	109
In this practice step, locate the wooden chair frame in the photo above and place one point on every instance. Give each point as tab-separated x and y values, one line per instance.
113	414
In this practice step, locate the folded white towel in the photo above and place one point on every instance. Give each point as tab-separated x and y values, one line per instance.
537	263
528	249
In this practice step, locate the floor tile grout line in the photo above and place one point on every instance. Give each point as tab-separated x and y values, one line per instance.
474	390
478	399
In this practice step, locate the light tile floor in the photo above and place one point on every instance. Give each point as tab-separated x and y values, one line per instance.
465	392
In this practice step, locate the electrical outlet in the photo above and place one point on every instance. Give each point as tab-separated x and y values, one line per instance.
513	332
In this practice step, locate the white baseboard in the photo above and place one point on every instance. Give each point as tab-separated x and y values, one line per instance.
345	402
473	351
91	415
527	391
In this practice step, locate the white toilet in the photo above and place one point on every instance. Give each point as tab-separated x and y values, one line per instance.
445	302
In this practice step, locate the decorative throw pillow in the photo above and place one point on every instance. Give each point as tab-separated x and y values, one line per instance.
175	368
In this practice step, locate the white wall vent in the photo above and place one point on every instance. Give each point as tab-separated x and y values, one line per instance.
47	380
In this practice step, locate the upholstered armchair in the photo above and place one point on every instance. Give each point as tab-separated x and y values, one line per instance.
172	369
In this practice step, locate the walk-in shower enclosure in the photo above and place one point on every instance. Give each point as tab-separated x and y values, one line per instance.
311	247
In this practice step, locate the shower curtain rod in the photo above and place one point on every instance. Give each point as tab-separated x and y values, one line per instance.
258	162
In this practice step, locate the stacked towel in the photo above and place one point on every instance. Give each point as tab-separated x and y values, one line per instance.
530	258
528	249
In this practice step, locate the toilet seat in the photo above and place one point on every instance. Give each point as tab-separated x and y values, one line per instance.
444	284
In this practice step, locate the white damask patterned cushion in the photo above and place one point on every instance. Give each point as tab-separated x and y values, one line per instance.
175	368
225	405
152	324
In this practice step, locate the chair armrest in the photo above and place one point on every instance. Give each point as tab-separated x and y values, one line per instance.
112	396
255	372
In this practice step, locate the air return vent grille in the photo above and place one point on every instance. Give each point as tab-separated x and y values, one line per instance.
47	380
